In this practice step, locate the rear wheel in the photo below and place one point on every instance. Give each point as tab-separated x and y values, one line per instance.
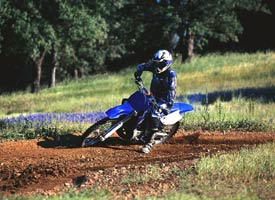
92	135
171	130
167	132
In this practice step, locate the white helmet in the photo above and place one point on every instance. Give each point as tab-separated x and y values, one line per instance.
162	60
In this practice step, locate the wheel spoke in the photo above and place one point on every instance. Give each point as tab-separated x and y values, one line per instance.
91	135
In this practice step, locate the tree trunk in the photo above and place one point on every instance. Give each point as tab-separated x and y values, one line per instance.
75	74
82	72
182	44
190	47
184	53
38	63
53	66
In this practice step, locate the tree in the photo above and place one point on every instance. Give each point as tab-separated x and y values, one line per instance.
55	38
201	20
79	34
114	46
34	33
144	27
66	30
4	12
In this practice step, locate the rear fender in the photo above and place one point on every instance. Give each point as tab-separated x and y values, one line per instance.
175	114
117	111
182	107
171	118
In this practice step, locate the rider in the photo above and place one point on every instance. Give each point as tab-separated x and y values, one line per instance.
163	87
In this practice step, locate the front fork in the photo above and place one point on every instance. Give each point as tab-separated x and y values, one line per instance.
116	126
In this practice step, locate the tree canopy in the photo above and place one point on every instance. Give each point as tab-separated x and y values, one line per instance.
45	40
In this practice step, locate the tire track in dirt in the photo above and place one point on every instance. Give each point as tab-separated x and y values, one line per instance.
44	164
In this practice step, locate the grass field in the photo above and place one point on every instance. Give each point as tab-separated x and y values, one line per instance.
208	74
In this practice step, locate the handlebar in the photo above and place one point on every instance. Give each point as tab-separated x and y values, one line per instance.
142	88
147	93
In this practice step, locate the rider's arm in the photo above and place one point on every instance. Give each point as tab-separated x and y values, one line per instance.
172	89
142	67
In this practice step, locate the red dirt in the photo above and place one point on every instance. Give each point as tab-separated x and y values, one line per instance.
46	166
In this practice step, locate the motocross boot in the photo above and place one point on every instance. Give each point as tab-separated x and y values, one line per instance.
147	148
149	142
158	137
155	136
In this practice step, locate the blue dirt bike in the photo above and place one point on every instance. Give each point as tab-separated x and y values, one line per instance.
129	120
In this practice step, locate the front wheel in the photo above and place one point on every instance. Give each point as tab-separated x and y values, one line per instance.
127	131
92	135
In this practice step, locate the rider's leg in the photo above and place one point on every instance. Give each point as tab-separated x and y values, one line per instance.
154	128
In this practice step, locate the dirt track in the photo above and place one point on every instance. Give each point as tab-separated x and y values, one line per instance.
39	166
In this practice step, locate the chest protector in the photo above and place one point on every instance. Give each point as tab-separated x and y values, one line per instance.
163	83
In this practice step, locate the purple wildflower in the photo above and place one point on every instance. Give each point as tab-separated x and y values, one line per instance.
39	119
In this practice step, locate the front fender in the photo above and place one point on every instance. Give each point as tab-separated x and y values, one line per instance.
117	111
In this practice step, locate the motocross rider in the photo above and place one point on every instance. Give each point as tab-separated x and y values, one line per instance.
163	87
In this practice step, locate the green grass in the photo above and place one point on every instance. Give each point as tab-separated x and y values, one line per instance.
209	73
238	114
230	71
92	94
245	175
151	172
248	173
74	194
242	165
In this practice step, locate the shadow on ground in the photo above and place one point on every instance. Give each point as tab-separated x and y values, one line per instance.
74	141
66	141
195	138
264	94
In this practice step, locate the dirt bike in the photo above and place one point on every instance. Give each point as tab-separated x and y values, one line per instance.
130	119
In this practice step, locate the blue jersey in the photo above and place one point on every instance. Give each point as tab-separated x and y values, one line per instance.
163	85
